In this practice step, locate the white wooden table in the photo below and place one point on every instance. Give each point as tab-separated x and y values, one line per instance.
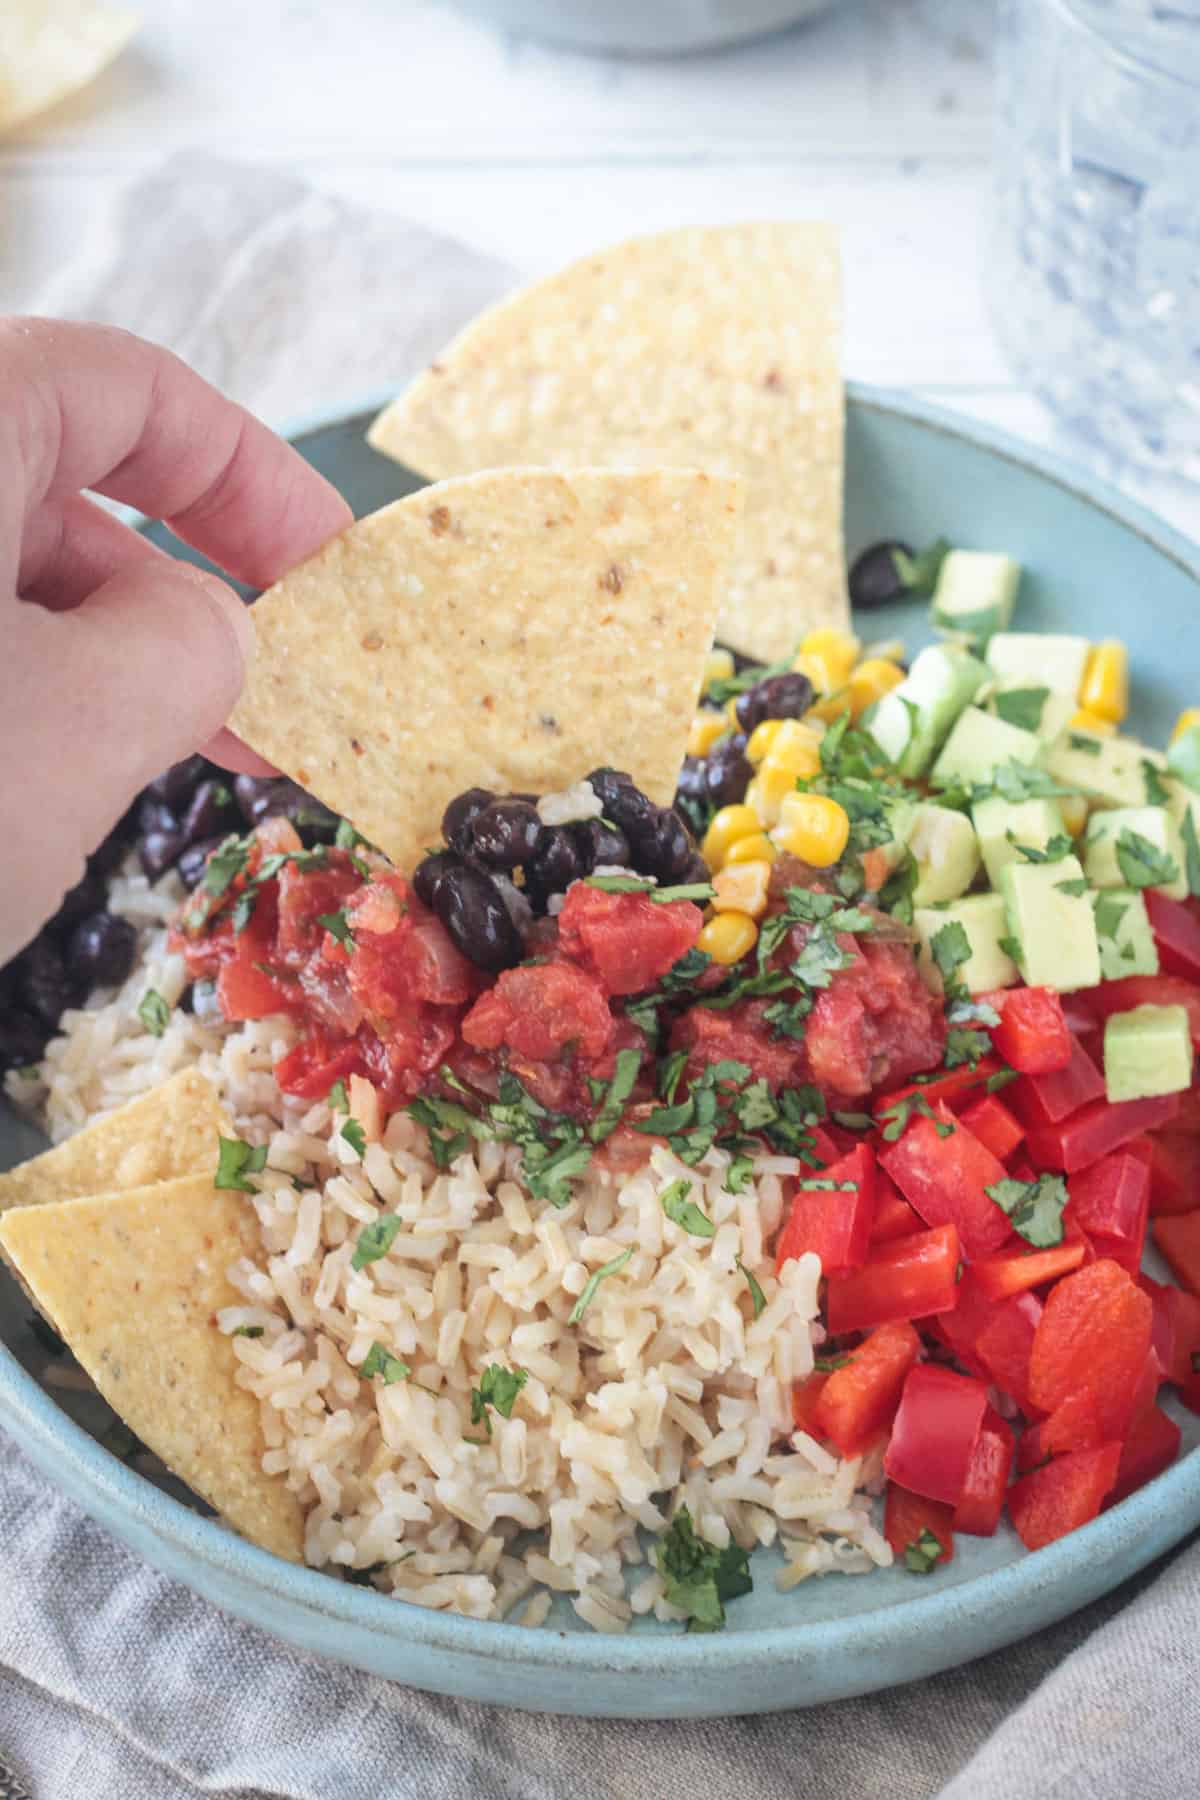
875	116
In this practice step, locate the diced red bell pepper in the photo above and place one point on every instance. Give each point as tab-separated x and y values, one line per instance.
998	1277
944	1178
1063	1495
1178	1237
1162	1326
1045	1099
982	1500
835	1222
1075	1425
953	1085
312	1066
824	1147
1093	1337
994	1125
1187	1119
1152	1446
806	1396
905	1279
1110	1201
1182	1361
906	1516
859	1398
1174	1173
1088	1135
1004	1347
894	1217
1032	1035
1147	990
935	1431
1176	928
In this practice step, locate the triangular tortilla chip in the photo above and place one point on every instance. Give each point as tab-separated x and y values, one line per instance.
49	48
510	630
133	1283
714	348
172	1130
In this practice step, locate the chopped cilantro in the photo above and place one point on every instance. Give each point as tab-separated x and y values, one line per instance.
697	1577
337	925
688	969
824	1184
375	1240
1022	706
1089	745
243	908
1015	782
355	1136
593	1282
999	1080
615	1095
964	1047
1013	947
154	1012
894	1120
1156	792
670	1070
1035	1207
1076	888
1187	831
381	1362
728	687
1053	851
690	890
1142	863
237	1159
950	948
896	894
758	1299
247	1331
338	1099
498	1388
829	1365
620	884
739	1174
921	1556
226	861
1109	911
854	1121
684	1212
919	573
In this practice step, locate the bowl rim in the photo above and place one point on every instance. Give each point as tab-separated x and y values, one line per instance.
108	1488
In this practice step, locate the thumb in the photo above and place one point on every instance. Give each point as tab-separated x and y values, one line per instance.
97	701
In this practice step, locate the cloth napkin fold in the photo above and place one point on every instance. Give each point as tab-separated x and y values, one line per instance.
117	1683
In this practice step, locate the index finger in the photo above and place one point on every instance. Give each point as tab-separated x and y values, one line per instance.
88	406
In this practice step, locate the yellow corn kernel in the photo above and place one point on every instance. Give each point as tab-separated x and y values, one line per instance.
732	720
830	706
728	825
718	666
814	667
759	743
742	887
1188	717
706	728
796	749
1084	720
767	792
817	830
870	681
1074	809
1104	689
728	937
837	650
756	848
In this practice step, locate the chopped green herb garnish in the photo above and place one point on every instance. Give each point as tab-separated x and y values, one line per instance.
1156	791
355	1136
154	1012
1054	850
1191	849
824	1184
950	948
616	1093
1022	706
237	1159
620	884
921	1556
699	891
593	1282
697	1577
337	925
964	1047
1089	745
684	1212
728	687
1035	1207
227	861
381	1362
894	1120
247	1331
1142	863
919	573
498	1388
338	1098
1109	911
829	1365
1076	888
758	1299
1013	947
243	908
376	1239
739	1174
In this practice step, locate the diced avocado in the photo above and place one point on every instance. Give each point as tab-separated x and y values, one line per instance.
1044	657
975	594
1051	925
911	722
1033	706
947	853
1110	771
980	743
1147	1051
983	918
1127	945
1129	845
1003	824
1183	756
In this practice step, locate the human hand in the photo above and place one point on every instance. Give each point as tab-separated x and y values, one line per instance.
116	659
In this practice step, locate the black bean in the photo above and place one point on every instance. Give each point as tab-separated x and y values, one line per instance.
47	987
256	795
625	805
786	696
190	866
176	785
874	578
505	834
694	869
87	896
158	851
102	949
22	1039
563	856
429	875
473	912
113	849
607	785
603	843
661	846
693	778
155	815
314	821
727	773
213	812
456	820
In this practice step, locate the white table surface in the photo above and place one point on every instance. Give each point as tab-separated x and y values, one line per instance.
875	116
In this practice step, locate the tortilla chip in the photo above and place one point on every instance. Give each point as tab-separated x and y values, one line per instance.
49	48
510	630
715	348
133	1282
172	1130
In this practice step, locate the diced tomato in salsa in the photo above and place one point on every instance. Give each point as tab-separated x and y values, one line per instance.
628	939
876	1022
538	1010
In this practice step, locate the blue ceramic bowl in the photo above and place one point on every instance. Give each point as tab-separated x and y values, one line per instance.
1094	563
644	27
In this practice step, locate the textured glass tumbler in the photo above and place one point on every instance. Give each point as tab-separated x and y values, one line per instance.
1093	264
